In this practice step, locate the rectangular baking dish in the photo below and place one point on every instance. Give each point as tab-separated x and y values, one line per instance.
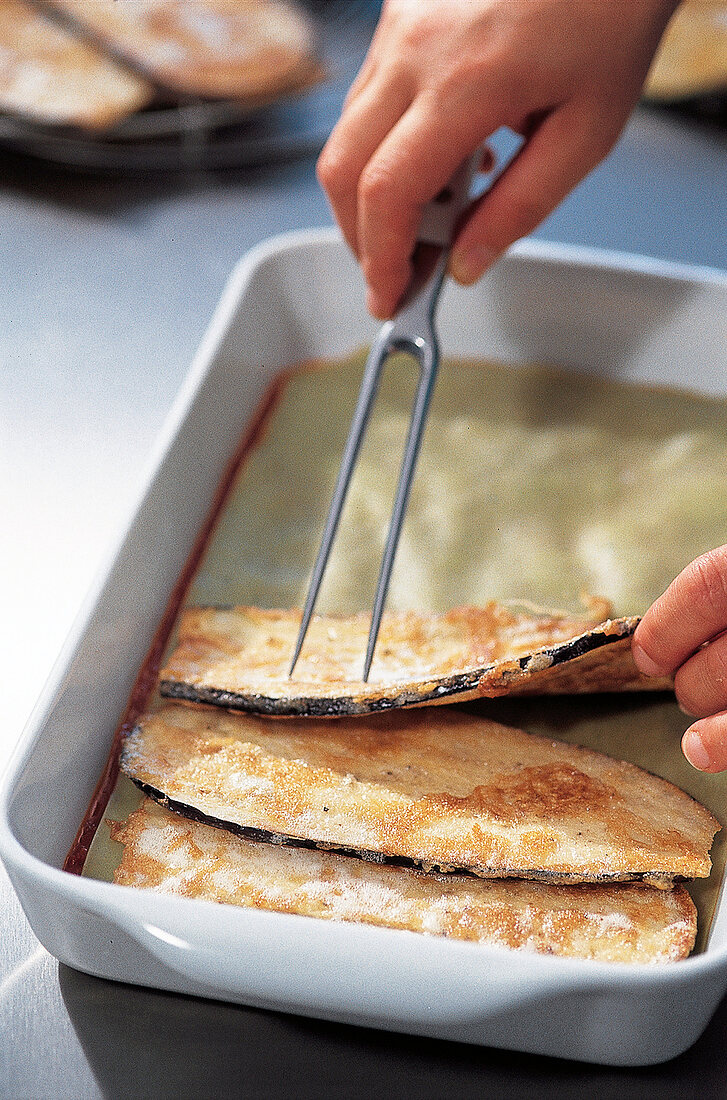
294	298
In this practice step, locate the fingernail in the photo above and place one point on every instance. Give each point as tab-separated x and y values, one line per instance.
467	265
644	663
377	306
694	750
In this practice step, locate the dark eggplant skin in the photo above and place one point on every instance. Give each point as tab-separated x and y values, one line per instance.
315	706
369	856
512	676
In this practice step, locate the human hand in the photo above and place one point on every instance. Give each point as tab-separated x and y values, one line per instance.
440	77
684	633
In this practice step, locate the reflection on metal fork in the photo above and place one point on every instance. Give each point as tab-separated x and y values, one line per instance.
412	330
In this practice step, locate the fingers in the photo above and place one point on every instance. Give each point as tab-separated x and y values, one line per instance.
561	150
685	632
705	743
692	611
415	161
701	682
369	117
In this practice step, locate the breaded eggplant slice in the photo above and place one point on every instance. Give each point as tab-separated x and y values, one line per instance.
239	658
49	76
168	854
692	55
246	50
439	789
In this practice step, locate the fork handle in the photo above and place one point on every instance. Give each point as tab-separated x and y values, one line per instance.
440	216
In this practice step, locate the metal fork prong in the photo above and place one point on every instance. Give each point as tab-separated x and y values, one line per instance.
411	330
367	394
429	366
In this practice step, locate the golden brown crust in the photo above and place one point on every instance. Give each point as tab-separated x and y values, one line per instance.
438	788
48	75
239	658
229	49
163	852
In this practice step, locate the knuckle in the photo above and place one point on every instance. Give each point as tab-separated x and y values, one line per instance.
461	97
455	84
377	185
417	34
331	170
708	584
715	666
700	684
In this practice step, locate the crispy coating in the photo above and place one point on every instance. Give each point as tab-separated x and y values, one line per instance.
436	788
52	77
229	49
239	658
625	923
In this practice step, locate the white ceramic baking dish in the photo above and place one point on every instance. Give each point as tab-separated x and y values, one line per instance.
294	298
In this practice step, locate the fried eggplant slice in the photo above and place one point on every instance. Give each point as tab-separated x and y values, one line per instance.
439	789
626	923
243	50
49	76
238	658
692	55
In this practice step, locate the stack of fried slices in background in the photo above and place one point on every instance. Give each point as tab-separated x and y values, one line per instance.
368	805
90	64
692	59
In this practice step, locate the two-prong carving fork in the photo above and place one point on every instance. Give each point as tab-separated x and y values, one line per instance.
411	330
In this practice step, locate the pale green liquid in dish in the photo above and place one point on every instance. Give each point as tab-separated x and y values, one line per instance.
533	484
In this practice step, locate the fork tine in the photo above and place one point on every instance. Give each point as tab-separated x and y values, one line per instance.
427	378
412	330
367	394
